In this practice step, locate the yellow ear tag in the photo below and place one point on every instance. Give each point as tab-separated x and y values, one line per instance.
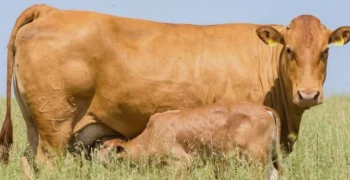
339	42
271	42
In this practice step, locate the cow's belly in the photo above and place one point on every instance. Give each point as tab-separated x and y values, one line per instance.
127	107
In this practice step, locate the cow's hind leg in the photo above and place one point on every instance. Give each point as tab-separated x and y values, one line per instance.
32	132
53	117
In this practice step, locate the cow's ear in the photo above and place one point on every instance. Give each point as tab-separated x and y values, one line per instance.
340	36
270	35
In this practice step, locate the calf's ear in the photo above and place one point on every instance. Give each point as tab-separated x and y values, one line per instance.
119	148
269	35
340	36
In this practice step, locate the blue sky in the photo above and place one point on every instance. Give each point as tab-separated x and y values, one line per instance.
332	13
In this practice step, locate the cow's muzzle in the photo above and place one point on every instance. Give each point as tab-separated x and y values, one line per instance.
307	97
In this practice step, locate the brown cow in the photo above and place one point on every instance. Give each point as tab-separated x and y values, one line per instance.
236	129
82	75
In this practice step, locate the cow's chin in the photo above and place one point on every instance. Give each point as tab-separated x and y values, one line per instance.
307	104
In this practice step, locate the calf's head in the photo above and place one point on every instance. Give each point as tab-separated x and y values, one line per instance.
303	59
110	148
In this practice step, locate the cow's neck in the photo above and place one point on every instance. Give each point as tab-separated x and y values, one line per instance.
290	114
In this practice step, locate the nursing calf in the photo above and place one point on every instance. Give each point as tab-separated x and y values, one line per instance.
240	129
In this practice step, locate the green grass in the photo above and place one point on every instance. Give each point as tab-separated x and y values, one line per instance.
321	152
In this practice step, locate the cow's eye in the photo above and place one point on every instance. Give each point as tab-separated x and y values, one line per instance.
290	53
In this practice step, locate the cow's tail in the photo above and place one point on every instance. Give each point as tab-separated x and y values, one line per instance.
6	134
276	155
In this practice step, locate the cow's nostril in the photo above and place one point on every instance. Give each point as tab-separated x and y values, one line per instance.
300	96
316	95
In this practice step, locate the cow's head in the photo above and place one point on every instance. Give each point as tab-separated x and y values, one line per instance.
304	56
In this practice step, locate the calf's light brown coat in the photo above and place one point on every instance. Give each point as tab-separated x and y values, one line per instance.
239	129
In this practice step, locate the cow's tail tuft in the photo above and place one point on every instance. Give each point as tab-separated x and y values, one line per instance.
6	134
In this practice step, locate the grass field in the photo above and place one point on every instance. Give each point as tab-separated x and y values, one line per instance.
321	152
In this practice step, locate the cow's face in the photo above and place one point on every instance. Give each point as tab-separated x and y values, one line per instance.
304	56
